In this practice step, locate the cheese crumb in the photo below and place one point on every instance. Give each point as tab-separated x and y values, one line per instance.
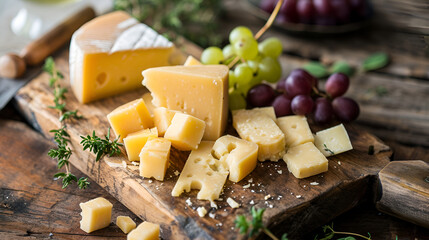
150	181
250	180
124	164
212	215
176	173
267	197
232	203
201	211
280	171
246	186
188	201
213	205
298	196
339	163
252	202
314	183
135	163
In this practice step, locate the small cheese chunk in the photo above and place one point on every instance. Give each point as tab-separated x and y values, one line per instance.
147	98
200	91
145	231
201	211
296	130
154	158
125	223
96	214
134	142
268	111
202	171
305	160
240	155
191	61
232	203
130	117
162	118
258	127
333	141
185	132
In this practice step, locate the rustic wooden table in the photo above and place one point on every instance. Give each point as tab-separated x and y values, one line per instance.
33	205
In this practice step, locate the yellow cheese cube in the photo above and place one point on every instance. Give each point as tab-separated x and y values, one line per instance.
240	155
305	160
200	91
268	111
154	158
125	223
296	130
147	98
96	214
191	61
135	141
332	141
130	117
185	132
162	118
108	54
145	231
202	171
258	127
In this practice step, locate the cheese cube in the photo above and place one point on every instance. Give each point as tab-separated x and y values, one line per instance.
96	214
145	231
258	127
200	91
130	117
147	98
134	142
296	130
202	171
125	223
108	54
162	118
305	160
191	61
333	141
268	111
185	132
154	158
240	155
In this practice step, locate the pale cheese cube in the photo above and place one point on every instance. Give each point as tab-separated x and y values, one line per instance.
134	142
154	158
268	111
185	132
96	214
296	130
305	160
130	117
191	61
145	231
333	141
125	223
162	118
240	155
147	98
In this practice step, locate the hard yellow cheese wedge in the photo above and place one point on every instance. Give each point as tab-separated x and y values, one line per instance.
185	132
134	142
296	130
332	141
191	61
154	158
240	155
108	54
145	231
125	223
96	214
305	160
200	91
162	118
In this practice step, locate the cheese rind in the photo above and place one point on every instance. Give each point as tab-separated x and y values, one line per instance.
240	155
162	118
145	231
335	139
185	132
96	214
258	127
108	54
130	117
296	130
191	61
305	160
154	158
125	223
134	142
200	91
202	171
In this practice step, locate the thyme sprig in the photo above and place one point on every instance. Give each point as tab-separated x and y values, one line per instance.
100	146
330	233
327	149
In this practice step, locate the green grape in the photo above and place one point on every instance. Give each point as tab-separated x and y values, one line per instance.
253	64
212	55
236	101
232	79
270	69
257	79
239	32
246	48
228	51
243	88
243	73
271	47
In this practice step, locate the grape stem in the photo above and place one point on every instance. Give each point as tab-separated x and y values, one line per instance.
319	93
270	20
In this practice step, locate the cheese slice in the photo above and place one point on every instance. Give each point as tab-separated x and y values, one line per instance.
333	141
96	214
200	91
258	127
145	231
154	158
202	171
305	160
296	130
108	54
191	61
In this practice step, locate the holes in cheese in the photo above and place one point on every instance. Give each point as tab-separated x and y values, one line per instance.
296	130
134	142
125	223
305	160
185	132
96	214
154	158
333	141
145	231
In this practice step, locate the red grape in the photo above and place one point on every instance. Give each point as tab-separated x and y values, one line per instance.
297	84
359	8
346	109
282	106
305	74
323	111
288	10
260	95
302	104
268	5
305	10
337	84
323	7
280	86
341	10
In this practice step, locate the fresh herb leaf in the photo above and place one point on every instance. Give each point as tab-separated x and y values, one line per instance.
83	183
330	233
342	67
100	146
256	225
284	237
70	114
327	149
375	61
316	69
427	179
242	224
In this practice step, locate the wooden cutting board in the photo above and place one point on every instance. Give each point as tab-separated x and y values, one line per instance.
296	206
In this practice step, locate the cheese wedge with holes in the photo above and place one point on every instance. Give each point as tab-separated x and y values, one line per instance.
240	155
305	160
333	141
96	214
296	130
200	91
204	172
145	231
108	54
135	142
191	61
154	158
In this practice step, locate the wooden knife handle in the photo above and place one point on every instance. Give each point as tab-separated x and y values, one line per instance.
35	52
404	191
